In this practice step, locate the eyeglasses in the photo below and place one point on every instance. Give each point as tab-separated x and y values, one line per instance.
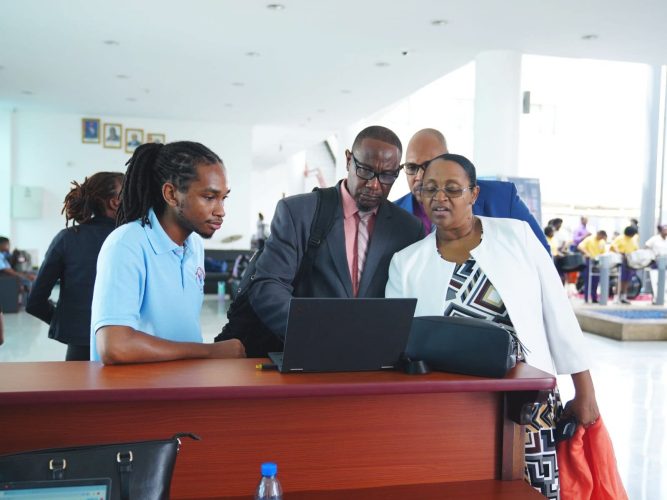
413	168
367	173
449	192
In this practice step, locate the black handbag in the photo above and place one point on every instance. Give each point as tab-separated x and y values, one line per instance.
462	345
138	471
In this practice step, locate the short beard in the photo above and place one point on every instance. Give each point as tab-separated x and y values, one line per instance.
187	225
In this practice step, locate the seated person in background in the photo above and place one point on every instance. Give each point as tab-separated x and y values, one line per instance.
495	269
624	244
658	243
25	279
592	247
497	198
150	271
354	258
72	260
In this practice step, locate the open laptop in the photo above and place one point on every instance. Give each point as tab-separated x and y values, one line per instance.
66	489
341	334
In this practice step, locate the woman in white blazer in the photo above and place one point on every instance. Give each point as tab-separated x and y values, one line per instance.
495	269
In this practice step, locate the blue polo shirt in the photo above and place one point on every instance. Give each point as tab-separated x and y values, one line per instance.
147	282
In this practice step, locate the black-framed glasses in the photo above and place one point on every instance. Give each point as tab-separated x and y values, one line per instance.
412	168
367	173
449	192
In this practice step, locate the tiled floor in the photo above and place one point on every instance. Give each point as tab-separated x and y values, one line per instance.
630	379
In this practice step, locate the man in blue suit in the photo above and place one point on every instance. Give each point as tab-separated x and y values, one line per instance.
496	198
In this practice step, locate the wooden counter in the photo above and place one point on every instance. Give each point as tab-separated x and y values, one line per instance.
326	431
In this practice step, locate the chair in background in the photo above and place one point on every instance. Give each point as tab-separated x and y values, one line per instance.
9	294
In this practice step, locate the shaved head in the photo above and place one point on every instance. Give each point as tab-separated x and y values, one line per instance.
423	146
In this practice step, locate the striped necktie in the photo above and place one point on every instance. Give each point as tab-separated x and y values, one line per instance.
361	247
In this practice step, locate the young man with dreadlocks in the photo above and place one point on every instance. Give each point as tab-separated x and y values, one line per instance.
150	271
72	258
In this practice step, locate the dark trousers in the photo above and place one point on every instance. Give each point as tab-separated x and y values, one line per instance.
77	353
594	282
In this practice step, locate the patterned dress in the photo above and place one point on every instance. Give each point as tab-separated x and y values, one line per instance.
471	294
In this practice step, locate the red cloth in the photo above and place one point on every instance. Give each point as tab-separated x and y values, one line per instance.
587	466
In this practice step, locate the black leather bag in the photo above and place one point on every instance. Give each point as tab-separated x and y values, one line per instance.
138	471
462	345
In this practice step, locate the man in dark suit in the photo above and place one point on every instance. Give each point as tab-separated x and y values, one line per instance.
353	260
496	198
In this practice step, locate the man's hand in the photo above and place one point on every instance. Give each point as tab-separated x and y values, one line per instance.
232	348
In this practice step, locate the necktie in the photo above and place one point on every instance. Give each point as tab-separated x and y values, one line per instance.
361	247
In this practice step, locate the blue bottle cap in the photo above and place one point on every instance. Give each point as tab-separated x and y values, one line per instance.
269	469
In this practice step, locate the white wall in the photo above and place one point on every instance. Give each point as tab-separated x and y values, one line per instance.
269	185
5	171
49	154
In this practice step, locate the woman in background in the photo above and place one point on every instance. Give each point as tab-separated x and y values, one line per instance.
72	259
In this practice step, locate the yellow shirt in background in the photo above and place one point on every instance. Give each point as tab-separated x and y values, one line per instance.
624	244
553	245
592	247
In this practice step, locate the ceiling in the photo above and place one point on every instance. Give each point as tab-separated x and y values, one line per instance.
298	73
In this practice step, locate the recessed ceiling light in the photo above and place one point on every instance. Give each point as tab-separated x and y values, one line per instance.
110	42
592	36
382	64
122	77
130	99
27	92
238	84
252	54
275	6
439	22
345	91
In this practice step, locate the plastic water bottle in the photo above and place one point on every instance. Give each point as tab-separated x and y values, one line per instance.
269	487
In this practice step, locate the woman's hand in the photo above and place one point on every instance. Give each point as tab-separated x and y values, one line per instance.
584	405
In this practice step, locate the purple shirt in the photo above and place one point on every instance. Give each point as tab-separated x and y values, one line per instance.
579	234
418	211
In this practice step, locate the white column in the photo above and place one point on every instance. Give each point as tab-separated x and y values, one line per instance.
648	204
297	179
346	137
497	112
5	173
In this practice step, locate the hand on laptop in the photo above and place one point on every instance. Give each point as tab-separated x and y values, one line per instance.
232	348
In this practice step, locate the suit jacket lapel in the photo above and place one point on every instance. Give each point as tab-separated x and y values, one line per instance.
335	243
376	249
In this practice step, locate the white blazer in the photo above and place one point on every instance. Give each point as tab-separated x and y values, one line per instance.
523	274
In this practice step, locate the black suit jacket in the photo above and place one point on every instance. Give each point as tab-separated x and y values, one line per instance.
72	259
276	268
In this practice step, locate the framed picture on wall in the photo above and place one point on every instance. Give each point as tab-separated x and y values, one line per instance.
158	138
134	137
90	130
113	135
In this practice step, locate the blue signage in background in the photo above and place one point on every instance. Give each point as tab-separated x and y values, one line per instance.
528	189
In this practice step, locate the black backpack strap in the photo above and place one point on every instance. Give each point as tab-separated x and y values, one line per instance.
325	214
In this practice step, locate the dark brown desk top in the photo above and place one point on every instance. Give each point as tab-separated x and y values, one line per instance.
83	381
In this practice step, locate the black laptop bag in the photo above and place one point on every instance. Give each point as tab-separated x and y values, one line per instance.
242	321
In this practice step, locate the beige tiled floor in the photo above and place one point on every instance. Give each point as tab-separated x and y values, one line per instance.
630	379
